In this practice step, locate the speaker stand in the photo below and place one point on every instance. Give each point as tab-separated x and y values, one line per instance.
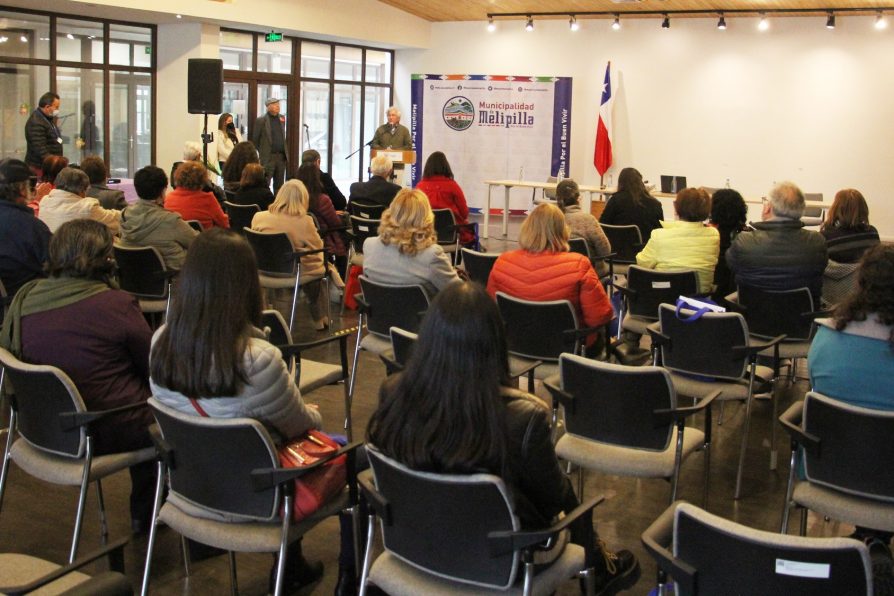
206	139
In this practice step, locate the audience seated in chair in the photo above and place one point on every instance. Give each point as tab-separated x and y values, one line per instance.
686	243
148	223
98	173
322	208
729	214
582	224
244	153
24	239
312	157
52	165
253	188
248	377
191	199
451	412
406	251
378	189
74	320
543	269
847	230
444	193
68	201
633	205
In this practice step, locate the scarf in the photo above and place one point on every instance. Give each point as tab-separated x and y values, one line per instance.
42	295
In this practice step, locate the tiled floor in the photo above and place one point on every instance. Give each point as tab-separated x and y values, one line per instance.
37	518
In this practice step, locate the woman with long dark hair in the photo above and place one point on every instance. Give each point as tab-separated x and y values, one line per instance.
444	193
729	215
320	205
211	349
243	153
452	412
633	205
227	137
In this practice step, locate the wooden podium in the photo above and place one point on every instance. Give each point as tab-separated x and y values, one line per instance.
397	156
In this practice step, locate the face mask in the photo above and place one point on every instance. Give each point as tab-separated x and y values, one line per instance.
231	126
55	114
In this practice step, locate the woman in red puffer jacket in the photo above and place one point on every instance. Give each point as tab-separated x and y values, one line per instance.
444	193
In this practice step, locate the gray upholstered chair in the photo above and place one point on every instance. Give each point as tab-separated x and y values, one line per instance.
841	460
226	488
625	420
707	554
49	436
713	352
142	273
646	289
626	241
457	534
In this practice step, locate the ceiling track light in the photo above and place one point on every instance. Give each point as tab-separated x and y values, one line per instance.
617	24
880	21
666	23
573	24
721	23
763	24
529	26
491	26
830	21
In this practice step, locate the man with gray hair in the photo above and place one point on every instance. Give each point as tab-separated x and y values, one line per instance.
377	189
269	136
69	201
392	134
780	254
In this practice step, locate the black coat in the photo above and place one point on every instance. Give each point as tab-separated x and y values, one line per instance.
42	138
375	190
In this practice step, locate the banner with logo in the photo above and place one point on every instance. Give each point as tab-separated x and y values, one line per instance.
492	127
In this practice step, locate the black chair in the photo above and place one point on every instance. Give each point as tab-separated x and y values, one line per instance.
402	344
195	224
5	299
226	488
626	243
365	210
579	245
49	436
456	534
646	289
478	264
448	232
381	307
625	420
240	215
361	229
713	353
143	273
279	267
707	554
845	454
24	574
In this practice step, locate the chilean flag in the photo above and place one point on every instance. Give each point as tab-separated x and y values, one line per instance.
602	156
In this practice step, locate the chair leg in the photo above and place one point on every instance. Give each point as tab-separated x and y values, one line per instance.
234	583
350	395
344	294
10	434
588	576
746	423
367	555
707	474
82	501
580	483
103	523
787	505
528	588
283	546
294	302
720	417
678	460
803	521
153	529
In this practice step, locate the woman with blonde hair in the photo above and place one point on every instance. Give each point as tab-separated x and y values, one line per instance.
406	250
288	214
542	269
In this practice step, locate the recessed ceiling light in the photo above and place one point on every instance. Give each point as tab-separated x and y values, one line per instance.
617	24
763	24
491	26
881	22
721	23
573	24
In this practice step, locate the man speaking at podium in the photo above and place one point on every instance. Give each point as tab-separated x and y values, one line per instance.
392	134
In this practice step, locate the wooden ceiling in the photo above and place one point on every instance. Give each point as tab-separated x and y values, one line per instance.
477	10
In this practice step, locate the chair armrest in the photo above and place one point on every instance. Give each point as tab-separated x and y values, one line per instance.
561	396
514	374
72	420
375	500
581	331
163	450
754	348
295	349
391	365
500	543
115	552
658	338
362	304
605	257
303	253
662	416
265	478
657	538
791	423
625	291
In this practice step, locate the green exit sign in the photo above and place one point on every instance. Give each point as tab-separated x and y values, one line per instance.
273	36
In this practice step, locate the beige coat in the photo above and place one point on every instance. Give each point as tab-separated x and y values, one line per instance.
301	231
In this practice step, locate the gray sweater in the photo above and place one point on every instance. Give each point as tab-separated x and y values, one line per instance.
583	225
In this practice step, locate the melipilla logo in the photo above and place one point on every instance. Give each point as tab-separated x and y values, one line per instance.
458	113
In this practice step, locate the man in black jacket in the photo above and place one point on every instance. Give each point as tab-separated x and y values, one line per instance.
779	254
269	136
41	133
377	189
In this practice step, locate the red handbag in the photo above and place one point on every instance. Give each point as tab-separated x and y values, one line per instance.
315	488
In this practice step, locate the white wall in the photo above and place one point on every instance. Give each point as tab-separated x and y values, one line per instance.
797	102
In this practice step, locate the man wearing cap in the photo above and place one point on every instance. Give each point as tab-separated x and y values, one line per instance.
312	157
42	136
269	136
23	238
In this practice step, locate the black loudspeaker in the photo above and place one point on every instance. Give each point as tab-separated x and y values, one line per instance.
205	86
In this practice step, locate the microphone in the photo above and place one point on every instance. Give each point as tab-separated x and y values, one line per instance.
306	126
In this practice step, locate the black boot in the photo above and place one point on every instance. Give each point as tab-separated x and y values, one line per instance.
615	571
299	572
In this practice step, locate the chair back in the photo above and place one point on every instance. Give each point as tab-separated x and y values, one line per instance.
362	229
440	522
393	306
855	447
728	557
536	329
445	226
614	404
211	464
402	343
705	346
273	251
38	394
364	210
141	271
626	242
478	264
279	329
579	245
650	288
773	312
240	215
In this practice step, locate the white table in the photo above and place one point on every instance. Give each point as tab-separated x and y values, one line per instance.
509	184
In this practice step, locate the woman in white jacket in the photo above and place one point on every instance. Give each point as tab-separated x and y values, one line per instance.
227	137
216	354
